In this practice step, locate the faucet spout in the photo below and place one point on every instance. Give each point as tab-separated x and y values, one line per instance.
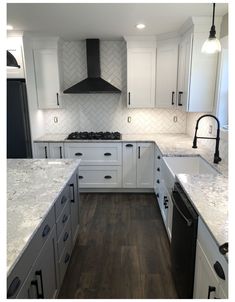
217	158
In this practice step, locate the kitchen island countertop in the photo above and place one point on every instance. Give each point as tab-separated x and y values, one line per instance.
33	186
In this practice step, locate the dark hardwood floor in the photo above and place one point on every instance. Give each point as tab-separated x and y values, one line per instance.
122	250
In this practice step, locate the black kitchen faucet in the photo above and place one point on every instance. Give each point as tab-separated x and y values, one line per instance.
217	158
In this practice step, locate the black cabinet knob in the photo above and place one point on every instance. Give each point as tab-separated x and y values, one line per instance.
158	169
46	230
158	181
219	270
78	154
80	177
159	157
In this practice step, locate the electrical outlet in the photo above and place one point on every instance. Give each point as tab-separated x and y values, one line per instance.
56	119
210	129
129	119
175	119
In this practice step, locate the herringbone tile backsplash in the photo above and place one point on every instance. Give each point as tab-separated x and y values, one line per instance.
105	112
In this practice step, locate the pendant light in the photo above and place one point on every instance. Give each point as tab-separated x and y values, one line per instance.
11	60
212	45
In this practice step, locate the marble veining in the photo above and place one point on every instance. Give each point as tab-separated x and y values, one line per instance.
33	186
209	195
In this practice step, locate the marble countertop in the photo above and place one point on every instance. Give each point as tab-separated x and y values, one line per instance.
208	193
33	185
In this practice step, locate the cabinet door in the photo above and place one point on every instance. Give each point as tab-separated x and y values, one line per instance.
166	75
129	165
141	77
145	165
42	279
47	78
56	150
184	67
205	280
41	150
74	207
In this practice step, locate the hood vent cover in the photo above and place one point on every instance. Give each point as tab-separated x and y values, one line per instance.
93	83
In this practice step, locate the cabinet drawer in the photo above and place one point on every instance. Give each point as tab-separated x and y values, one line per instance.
24	264
61	202
62	220
64	237
64	260
95	153
100	176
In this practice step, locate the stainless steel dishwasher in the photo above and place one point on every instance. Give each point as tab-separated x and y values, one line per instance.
183	242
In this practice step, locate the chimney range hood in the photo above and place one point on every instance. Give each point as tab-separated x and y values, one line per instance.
93	83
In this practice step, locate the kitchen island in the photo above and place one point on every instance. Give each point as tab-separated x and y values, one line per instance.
42	206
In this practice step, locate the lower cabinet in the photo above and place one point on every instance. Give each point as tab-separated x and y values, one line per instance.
211	268
40	270
42	278
138	165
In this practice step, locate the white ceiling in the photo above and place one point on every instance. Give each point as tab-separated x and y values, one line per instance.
73	21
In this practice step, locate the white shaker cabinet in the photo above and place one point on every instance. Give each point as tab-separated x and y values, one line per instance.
141	70
42	279
56	150
196	74
145	165
41	150
129	165
47	77
166	74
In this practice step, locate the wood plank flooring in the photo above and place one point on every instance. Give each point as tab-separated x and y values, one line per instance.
122	251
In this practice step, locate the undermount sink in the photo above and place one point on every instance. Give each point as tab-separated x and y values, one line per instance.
189	165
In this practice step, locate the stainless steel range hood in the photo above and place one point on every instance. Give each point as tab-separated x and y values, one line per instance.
93	83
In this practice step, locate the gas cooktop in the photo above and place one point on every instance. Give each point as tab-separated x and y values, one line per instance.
95	135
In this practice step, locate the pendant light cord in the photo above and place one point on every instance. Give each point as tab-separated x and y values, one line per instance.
213	17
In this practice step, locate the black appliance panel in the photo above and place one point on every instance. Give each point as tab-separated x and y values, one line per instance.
183	242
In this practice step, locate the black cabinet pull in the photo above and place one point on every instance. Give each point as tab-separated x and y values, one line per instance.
13	287
158	181
66	236
61	152
80	177
129	98
219	270
65	218
78	154
57	99
159	157
35	283
72	199
179	99
67	257
158	169
210	290
45	151
129	145
166	207
63	200
172	98
107	154
39	273
108	177
224	248
46	230
139	152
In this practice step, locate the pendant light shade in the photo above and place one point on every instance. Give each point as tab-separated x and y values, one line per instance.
212	45
11	60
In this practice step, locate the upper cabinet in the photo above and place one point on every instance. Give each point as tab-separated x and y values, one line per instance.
15	47
47	73
141	63
166	73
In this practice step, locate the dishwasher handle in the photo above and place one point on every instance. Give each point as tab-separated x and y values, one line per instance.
187	220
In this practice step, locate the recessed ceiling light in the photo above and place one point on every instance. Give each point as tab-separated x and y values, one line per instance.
140	26
9	27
